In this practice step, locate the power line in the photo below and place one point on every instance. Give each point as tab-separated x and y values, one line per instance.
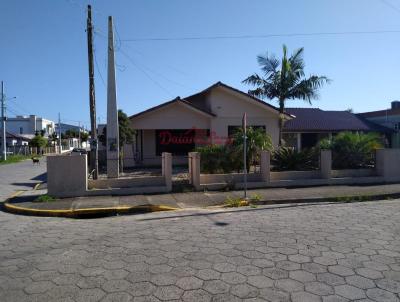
98	68
387	3
264	36
146	73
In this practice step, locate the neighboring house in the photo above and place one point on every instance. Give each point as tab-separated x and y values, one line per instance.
13	139
389	118
29	125
310	125
66	127
210	116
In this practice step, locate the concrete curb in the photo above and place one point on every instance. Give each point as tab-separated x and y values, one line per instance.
86	212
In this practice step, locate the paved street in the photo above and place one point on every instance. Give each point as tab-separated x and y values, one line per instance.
20	176
343	252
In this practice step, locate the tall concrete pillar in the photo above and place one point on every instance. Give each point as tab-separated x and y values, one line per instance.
265	166
112	111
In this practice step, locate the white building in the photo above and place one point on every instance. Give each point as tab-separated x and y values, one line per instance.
29	125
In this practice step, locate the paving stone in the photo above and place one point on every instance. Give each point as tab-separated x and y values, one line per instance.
305	297
260	281
340	270
208	274
141	289
216	286
302	276
165	293
233	278
198	295
369	273
389	285
115	285
164	279
89	295
274	295
330	279
244	291
117	297
381	295
360	282
275	273
38	287
349	292
319	288
189	283
334	298
289	285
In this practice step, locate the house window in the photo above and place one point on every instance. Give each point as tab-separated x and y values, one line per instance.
21	130
233	129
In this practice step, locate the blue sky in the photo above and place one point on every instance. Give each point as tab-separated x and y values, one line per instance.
43	53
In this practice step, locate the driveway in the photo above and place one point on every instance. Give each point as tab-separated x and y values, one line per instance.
342	252
20	176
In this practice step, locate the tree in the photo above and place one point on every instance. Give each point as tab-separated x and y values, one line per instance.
84	136
284	80
257	140
38	141
126	134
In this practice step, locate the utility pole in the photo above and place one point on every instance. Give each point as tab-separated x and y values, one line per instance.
59	132
92	99
79	135
3	121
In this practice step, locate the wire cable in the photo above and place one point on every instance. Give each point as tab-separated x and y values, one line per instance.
387	3
264	36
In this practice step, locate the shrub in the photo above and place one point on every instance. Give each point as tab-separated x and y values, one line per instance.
38	141
219	159
235	202
352	150
288	159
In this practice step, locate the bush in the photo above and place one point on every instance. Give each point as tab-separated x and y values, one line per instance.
38	141
219	159
288	159
352	150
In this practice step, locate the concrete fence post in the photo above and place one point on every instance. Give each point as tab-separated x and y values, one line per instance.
167	169
265	166
67	176
194	170
326	164
388	164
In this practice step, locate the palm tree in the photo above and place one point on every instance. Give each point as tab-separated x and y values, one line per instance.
284	80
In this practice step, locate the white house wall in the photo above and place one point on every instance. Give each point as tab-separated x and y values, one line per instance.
174	116
229	108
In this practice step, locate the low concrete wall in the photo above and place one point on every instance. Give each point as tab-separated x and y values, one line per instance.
67	175
388	164
126	182
353	173
229	178
294	175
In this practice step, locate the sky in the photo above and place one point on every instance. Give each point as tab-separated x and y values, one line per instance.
43	51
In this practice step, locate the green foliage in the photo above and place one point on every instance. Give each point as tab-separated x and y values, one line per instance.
255	197
352	150
84	136
218	159
257	140
38	141
288	159
284	80
126	133
14	159
45	198
235	202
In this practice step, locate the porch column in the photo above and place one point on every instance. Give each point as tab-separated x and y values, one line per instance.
298	141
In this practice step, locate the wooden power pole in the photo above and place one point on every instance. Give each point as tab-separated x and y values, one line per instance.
94	167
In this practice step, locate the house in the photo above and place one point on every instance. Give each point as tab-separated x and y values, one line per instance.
210	116
13	139
310	125
30	125
66	127
389	118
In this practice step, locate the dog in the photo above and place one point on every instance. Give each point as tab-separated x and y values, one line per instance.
35	160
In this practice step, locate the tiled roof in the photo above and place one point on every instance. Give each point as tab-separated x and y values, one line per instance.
315	119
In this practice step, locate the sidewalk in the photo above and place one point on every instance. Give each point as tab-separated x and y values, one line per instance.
24	203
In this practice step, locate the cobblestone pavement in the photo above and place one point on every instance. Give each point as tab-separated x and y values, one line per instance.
20	176
342	252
